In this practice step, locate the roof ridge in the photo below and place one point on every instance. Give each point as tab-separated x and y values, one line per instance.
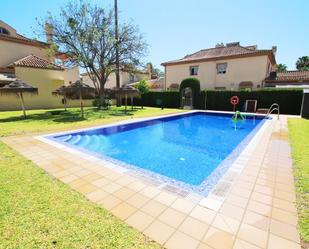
17	61
37	57
32	60
225	47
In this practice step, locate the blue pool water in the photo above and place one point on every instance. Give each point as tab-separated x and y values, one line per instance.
186	148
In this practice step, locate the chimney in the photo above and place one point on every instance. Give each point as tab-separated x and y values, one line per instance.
49	33
274	49
233	44
220	45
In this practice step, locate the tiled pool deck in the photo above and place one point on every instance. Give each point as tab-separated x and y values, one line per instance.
251	207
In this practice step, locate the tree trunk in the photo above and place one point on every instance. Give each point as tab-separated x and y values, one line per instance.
117	50
22	104
132	104
126	103
81	103
65	102
102	97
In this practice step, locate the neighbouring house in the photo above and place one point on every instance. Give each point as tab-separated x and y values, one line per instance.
156	83
125	78
298	79
230	67
28	60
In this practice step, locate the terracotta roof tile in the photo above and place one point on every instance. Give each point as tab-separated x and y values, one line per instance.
230	50
36	62
293	76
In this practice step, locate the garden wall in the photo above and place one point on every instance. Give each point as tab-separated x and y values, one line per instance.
288	100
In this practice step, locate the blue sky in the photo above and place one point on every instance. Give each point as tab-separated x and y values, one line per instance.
174	28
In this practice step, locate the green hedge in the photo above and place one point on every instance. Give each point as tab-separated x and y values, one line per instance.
289	99
157	99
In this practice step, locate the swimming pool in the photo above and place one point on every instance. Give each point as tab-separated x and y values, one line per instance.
184	148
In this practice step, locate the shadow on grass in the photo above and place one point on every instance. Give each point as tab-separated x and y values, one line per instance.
61	116
122	113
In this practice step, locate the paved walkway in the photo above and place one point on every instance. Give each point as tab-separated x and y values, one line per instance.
257	212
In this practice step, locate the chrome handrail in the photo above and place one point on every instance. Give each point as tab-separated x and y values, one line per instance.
274	107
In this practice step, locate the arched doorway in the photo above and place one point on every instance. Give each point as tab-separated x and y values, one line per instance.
189	93
187	98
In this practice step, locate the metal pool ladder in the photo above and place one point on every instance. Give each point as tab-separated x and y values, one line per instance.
274	107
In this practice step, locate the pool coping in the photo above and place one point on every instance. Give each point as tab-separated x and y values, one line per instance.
223	176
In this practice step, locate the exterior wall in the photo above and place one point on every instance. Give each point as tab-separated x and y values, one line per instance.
71	75
252	69
111	82
46	81
11	52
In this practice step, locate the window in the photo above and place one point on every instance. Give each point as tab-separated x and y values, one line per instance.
245	86
4	31
194	70
220	88
221	68
132	78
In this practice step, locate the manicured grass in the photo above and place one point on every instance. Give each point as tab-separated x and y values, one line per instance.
12	123
37	211
299	138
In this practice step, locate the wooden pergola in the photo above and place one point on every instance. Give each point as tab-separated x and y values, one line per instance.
61	92
126	92
78	89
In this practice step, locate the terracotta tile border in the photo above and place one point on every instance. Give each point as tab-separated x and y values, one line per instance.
258	201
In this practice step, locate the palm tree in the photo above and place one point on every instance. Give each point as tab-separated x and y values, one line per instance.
281	67
302	64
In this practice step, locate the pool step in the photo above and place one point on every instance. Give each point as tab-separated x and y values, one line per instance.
95	143
75	139
65	138
84	141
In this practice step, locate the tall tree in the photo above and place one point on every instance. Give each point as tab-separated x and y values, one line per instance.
153	71
281	67
87	31
302	64
117	50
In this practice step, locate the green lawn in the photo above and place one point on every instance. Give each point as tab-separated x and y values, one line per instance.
12	123
37	211
299	138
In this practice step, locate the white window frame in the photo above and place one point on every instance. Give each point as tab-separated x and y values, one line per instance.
222	68
190	70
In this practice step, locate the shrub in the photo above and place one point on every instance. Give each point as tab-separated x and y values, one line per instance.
99	103
143	88
157	99
194	84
